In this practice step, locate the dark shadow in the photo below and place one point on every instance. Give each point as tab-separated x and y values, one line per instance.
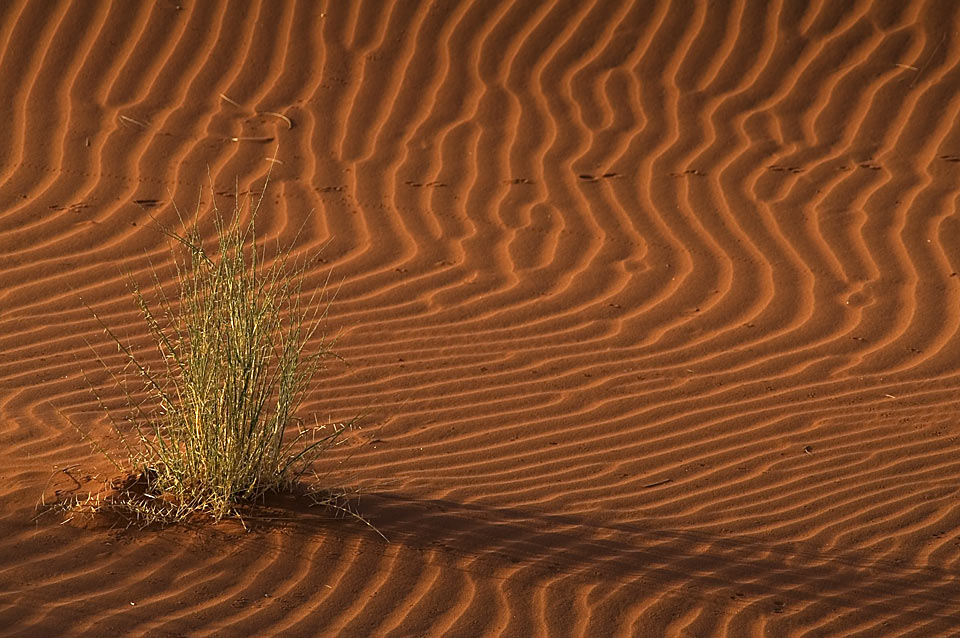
519	551
742	570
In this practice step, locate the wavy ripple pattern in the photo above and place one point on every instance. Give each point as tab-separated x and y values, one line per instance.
654	308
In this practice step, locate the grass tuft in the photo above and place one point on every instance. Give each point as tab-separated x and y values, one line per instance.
219	426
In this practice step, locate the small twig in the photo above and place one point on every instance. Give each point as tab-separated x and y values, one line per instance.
133	121
658	483
262	140
66	470
929	60
281	116
226	99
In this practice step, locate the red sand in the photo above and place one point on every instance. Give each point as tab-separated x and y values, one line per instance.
654	307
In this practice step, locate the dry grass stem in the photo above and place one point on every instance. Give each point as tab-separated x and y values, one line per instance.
226	99
281	116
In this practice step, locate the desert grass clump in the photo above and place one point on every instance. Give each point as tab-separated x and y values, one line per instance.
215	424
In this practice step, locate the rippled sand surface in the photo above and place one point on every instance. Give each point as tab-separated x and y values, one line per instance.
653	308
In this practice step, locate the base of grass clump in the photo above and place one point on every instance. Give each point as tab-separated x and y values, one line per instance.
138	500
238	346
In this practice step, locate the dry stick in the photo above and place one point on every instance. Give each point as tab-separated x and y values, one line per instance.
658	483
66	470
281	116
226	99
262	140
133	121
929	60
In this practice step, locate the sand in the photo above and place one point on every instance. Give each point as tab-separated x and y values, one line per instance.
652	309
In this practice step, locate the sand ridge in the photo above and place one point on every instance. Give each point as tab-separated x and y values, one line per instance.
653	307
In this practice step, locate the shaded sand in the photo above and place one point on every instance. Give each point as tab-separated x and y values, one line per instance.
653	305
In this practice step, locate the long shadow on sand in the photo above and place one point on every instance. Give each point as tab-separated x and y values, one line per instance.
742	572
189	580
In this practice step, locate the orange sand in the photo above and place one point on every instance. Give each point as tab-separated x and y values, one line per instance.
653	305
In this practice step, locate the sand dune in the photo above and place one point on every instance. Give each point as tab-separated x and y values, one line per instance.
654	308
